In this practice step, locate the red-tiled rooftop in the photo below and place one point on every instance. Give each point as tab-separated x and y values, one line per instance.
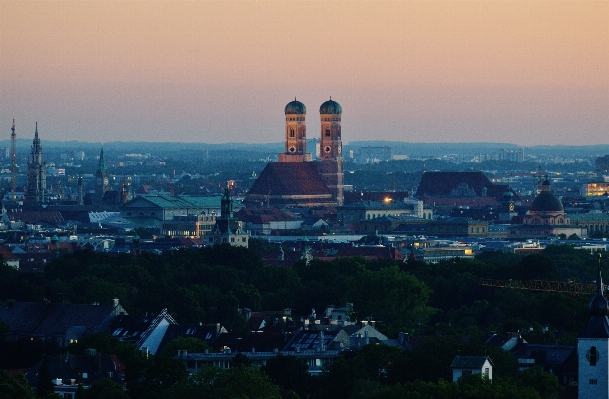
441	184
289	178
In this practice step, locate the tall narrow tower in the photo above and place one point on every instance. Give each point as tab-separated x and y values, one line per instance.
80	196
36	173
13	161
295	142
330	165
102	177
593	347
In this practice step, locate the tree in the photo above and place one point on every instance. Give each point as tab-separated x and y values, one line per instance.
14	387
544	383
44	385
244	382
395	298
289	373
103	389
160	373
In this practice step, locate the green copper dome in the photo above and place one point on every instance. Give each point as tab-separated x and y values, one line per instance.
295	107
330	107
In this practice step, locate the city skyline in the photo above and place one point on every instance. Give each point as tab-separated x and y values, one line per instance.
527	73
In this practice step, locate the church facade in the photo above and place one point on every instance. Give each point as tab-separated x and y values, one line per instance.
297	180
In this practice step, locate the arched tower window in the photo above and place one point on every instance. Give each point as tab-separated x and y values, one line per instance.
292	134
327	132
592	356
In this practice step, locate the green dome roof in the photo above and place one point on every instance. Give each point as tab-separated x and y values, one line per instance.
295	107
330	107
546	201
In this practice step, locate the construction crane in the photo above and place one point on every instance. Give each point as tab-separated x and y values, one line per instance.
542	285
567	287
14	161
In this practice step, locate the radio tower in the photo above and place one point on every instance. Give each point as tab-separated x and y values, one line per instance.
14	161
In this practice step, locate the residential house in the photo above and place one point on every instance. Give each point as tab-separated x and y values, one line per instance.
468	365
61	323
68	371
146	332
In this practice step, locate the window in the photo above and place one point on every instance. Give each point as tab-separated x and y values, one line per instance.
593	381
292	133
466	372
232	239
487	372
327	132
592	356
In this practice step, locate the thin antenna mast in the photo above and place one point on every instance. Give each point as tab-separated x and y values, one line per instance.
13	161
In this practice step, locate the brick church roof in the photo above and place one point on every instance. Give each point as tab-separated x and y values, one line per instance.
441	184
281	181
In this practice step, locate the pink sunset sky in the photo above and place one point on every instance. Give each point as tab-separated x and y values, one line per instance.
522	72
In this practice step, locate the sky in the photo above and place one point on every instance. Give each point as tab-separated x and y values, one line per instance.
523	72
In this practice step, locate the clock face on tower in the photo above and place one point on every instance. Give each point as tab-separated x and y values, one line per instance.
292	149
327	149
340	148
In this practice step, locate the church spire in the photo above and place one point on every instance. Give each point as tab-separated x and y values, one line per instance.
102	160
598	305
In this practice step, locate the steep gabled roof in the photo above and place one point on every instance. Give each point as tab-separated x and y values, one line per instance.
289	178
47	216
441	184
22	317
62	316
469	362
169	201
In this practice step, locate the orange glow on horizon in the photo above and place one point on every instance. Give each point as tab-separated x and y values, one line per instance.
448	70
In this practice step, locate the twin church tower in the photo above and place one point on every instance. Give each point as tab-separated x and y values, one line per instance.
297	180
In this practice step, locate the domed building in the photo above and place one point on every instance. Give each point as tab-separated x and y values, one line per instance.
546	217
546	208
297	180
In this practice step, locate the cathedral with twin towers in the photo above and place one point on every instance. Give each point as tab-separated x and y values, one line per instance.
297	180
